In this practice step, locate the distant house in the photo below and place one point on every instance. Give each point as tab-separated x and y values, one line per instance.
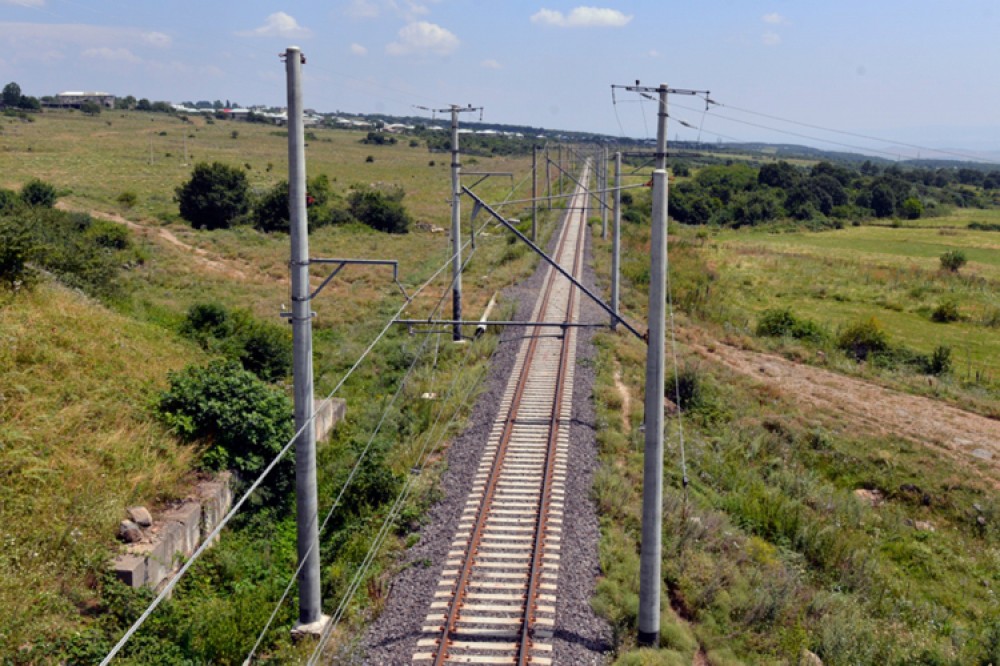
73	100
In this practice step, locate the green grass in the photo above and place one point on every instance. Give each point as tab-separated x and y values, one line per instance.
77	445
769	552
77	378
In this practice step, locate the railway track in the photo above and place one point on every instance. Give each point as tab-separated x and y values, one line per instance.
495	601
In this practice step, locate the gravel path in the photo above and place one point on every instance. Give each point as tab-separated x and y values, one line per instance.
580	636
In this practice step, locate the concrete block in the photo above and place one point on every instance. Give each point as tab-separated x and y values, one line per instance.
216	499
188	516
328	414
130	569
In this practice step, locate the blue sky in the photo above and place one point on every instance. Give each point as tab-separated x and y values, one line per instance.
924	72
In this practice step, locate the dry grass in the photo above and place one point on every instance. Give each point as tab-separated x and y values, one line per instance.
77	446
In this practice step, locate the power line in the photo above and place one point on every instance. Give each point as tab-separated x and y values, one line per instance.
168	588
854	134
357	464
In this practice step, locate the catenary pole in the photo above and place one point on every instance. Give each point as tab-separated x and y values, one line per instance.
534	194
456	228
603	186
652	484
310	610
548	177
616	240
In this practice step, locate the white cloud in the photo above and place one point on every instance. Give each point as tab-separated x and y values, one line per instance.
582	17
36	38
278	24
653	53
363	9
408	10
108	53
157	39
774	18
491	64
358	50
423	37
24	3
771	38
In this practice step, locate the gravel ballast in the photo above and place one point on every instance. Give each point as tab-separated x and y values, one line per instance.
580	636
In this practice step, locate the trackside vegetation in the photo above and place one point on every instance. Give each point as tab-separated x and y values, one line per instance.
800	534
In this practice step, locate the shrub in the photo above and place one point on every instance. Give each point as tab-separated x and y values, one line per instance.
271	212
863	339
781	322
16	247
109	235
9	201
38	193
263	348
127	199
952	260
380	209
939	362
266	350
370	159
946	312
244	421
216	196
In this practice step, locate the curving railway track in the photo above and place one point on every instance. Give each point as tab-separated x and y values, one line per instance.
495	601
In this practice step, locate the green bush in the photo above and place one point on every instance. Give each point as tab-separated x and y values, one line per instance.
127	199
9	201
863	339
380	209
16	248
216	197
244	421
946	312
912	208
782	322
38	193
271	211
263	348
109	235
952	260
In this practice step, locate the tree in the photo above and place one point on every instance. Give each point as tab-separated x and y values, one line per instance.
271	212
216	197
11	94
883	202
90	108
29	103
125	103
912	208
779	174
143	105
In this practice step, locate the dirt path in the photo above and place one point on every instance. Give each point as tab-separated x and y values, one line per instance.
203	257
874	409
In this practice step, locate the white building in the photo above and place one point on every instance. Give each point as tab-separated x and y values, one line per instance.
74	99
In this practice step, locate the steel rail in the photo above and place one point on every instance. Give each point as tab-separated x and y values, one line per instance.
489	491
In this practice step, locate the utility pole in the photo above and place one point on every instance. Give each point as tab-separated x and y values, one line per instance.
311	619
534	193
548	176
650	556
456	215
604	191
616	240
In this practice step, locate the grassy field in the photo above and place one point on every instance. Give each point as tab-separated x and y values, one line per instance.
78	377
771	550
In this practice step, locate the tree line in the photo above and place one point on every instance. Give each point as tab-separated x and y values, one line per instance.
737	194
